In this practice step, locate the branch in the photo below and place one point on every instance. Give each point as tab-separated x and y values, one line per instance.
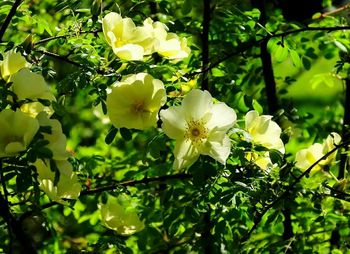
336	11
59	57
290	188
9	17
252	43
14	226
65	36
205	43
145	180
112	187
346	130
269	77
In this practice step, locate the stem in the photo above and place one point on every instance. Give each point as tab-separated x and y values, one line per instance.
112	187
8	18
145	180
272	103
59	57
206	235
290	188
269	78
205	43
251	43
335	237
346	131
14	226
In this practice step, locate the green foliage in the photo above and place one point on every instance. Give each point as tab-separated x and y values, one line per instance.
208	207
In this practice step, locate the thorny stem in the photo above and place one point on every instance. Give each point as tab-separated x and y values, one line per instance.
9	17
290	188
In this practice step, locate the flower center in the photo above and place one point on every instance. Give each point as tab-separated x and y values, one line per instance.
138	107
196	131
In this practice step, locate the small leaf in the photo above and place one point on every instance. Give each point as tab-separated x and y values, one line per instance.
295	58
186	7
111	135
306	63
281	53
126	134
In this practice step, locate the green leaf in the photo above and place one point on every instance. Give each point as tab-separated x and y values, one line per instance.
111	135
126	134
306	63
186	7
295	58
275	156
280	53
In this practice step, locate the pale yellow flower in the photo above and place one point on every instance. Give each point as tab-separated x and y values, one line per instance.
57	140
32	86
13	62
263	161
17	131
135	101
328	145
124	37
199	127
123	220
68	186
168	45
263	131
308	156
172	47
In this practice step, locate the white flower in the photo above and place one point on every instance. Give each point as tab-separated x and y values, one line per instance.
264	131
308	156
199	127
135	101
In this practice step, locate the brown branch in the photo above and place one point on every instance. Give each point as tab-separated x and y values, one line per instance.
65	36
9	17
14	226
205	43
58	57
289	188
117	185
252	43
336	11
145	180
346	131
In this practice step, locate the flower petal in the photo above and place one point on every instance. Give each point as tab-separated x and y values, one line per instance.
223	117
218	149
129	52
174	124
196	104
185	154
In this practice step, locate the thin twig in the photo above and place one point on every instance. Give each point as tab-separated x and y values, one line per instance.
205	43
290	188
336	11
59	57
65	36
9	17
145	180
112	187
252	43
